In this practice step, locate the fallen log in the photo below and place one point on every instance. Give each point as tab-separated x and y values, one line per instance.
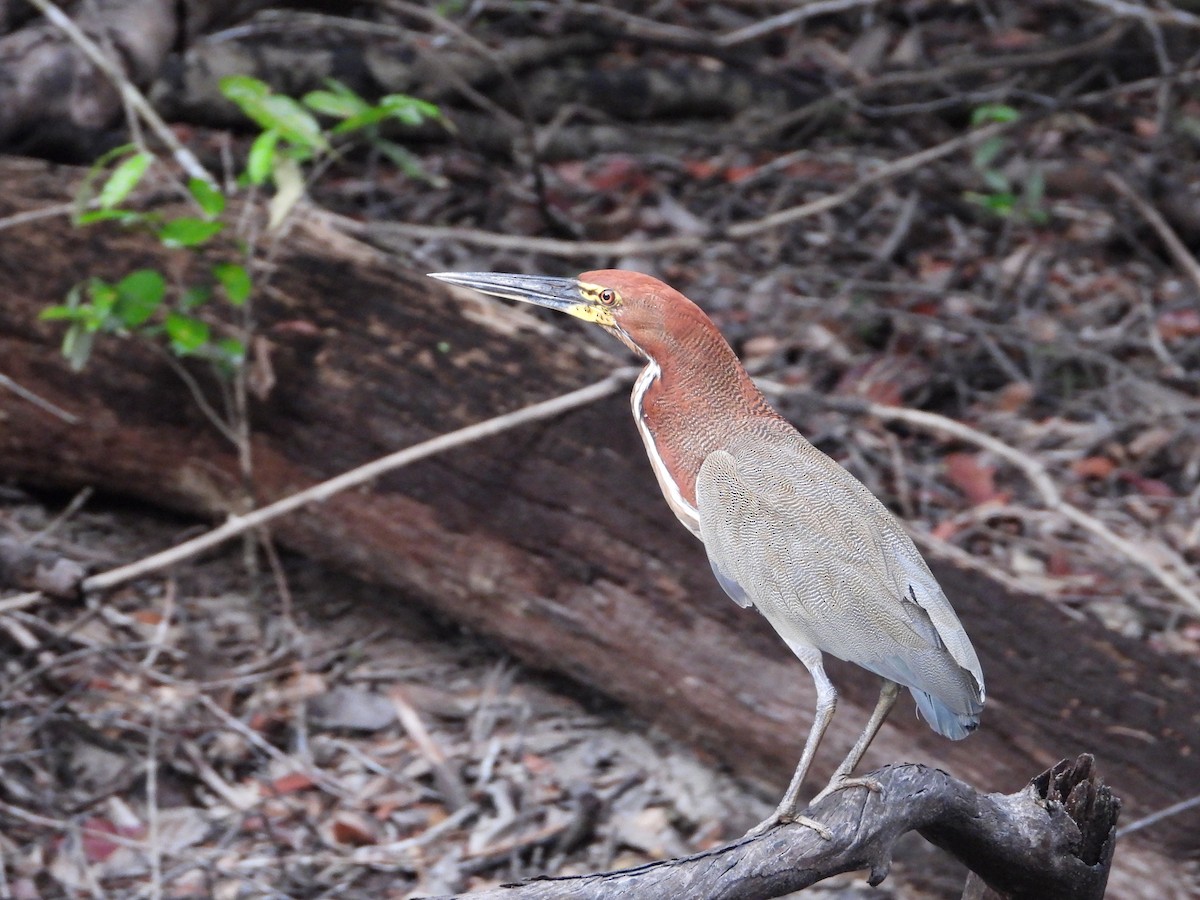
551	540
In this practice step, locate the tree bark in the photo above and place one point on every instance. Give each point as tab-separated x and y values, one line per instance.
552	540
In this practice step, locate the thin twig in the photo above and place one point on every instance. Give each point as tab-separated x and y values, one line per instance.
20	601
1154	818
237	525
76	504
1170	16
40	403
153	835
788	19
36	215
887	171
129	92
1177	248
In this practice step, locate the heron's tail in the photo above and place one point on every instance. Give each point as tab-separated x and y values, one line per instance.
944	720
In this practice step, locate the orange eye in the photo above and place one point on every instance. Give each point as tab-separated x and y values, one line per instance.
608	297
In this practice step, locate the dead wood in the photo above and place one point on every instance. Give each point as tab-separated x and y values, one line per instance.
52	99
1055	838
552	540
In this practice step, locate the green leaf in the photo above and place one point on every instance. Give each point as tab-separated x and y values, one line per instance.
408	109
186	333
109	156
61	314
104	297
235	280
139	295
291	120
289	188
243	89
210	199
342	89
274	112
87	186
1001	204
123	180
339	105
188	232
233	351
196	295
994	112
261	160
124	216
372	115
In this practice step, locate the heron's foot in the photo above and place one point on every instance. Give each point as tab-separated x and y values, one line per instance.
785	818
841	782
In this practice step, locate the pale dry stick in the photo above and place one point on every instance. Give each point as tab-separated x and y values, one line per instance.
218	785
129	92
159	639
1171	16
64	824
267	748
36	215
152	830
658	246
478	237
1177	248
26	394
20	601
236	525
446	778
1155	817
633	25
1037	475
76	504
788	19
885	172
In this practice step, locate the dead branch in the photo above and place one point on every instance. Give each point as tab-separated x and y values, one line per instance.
1053	838
1177	248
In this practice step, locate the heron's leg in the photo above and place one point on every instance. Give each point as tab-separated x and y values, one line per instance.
786	811
841	778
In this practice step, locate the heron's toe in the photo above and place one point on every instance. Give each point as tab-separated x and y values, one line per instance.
840	783
779	818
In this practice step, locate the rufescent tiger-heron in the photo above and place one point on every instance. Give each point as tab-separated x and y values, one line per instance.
787	530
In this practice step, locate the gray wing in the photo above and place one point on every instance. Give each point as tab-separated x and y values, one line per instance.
791	532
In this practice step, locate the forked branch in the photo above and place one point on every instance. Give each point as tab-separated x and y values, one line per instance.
1054	838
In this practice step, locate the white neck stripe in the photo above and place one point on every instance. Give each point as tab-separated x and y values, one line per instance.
684	511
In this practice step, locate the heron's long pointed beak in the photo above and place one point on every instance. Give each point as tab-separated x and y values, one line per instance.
542	290
569	295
